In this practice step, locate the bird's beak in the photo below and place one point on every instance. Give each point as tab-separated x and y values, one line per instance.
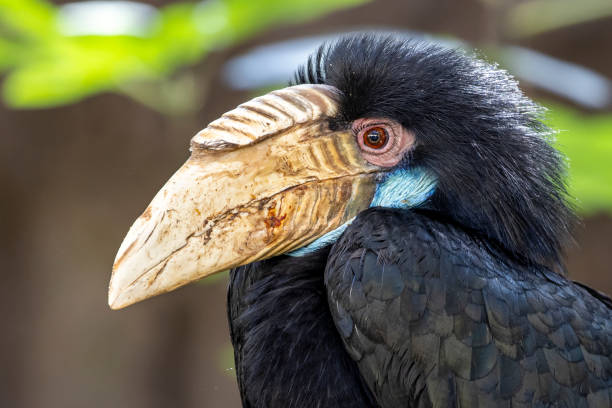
264	179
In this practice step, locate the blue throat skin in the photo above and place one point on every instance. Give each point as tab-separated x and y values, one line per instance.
402	188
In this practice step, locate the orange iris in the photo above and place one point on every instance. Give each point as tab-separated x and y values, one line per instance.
375	137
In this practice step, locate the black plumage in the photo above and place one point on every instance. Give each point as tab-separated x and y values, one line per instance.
462	323
288	352
497	172
455	303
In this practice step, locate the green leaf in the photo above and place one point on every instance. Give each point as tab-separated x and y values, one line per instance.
30	18
10	54
246	16
54	69
587	142
67	71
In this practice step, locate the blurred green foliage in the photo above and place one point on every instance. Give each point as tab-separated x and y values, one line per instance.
587	142
47	67
527	18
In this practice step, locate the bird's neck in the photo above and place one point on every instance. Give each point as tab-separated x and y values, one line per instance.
524	234
287	350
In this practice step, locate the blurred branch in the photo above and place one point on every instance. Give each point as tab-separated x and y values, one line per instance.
538	16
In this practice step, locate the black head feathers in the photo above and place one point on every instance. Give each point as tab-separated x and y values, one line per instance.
498	174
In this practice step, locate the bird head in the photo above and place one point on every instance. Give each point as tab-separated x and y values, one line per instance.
369	121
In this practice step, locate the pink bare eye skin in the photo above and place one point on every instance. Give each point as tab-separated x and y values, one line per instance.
400	140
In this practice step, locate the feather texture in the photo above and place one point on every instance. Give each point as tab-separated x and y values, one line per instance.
436	317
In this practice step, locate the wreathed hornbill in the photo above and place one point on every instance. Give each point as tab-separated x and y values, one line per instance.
395	223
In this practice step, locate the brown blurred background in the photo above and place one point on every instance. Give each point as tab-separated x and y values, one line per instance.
74	177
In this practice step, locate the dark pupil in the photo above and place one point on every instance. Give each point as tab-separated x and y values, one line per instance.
374	136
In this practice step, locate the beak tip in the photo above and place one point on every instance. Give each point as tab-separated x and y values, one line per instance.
116	297
116	301
113	298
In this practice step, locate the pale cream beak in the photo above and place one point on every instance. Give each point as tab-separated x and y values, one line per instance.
264	179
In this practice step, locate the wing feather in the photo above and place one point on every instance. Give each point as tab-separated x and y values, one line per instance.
436	317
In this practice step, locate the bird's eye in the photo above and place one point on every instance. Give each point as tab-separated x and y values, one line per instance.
382	141
375	137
